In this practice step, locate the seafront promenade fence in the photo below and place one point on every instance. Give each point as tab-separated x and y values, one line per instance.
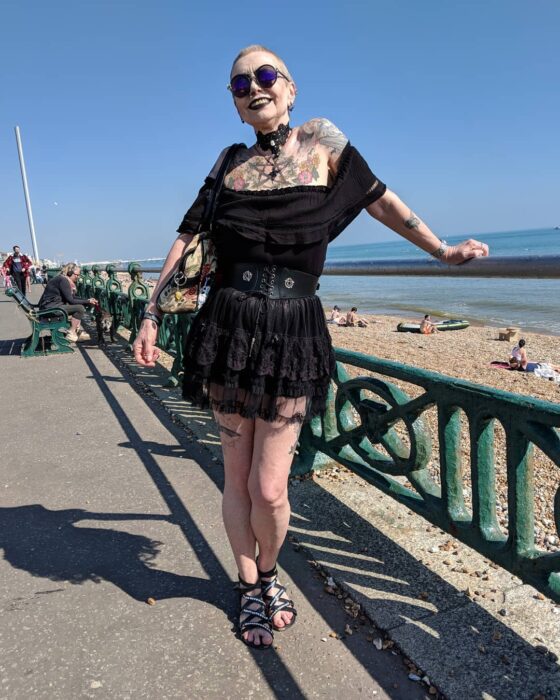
380	431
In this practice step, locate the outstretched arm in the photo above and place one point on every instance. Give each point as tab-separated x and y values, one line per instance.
391	211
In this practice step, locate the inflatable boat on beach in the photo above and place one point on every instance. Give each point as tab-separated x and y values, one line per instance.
453	324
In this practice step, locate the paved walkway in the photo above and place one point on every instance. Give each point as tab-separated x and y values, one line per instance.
107	502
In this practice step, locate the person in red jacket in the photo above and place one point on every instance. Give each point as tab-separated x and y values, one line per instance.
17	266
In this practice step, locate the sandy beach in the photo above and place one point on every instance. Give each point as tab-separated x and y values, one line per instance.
464	354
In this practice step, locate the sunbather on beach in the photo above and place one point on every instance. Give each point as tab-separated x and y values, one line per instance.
352	318
335	315
518	358
427	326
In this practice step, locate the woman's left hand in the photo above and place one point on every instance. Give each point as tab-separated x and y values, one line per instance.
457	254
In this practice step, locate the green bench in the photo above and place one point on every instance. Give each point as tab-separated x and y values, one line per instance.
46	328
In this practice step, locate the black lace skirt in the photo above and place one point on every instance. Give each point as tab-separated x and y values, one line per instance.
259	357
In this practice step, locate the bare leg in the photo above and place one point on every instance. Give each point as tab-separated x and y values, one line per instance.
237	446
273	453
236	435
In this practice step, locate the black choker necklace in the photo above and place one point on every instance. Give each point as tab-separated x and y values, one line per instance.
274	140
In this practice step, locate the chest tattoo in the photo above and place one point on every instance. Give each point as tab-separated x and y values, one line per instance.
269	173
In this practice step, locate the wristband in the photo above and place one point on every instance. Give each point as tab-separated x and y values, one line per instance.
439	252
151	317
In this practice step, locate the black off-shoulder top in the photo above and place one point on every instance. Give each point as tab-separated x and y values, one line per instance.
290	227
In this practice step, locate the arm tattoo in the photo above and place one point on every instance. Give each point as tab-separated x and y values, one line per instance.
413	222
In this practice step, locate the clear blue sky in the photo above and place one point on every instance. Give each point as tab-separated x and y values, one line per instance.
123	109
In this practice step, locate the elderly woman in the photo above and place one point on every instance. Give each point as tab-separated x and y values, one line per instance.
259	352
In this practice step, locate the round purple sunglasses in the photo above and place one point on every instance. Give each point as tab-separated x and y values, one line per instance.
265	77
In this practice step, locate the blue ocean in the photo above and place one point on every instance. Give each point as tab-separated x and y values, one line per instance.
530	304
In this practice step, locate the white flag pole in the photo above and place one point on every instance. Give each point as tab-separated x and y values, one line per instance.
26	193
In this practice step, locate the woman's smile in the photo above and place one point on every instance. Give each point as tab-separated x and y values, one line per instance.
259	102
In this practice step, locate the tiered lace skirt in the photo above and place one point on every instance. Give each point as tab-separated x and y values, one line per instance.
259	357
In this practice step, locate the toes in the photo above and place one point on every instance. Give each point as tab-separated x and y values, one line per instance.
282	619
258	638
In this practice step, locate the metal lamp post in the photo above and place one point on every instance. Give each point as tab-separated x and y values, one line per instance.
26	193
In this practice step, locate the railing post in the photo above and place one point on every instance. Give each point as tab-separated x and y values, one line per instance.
138	295
483	478
113	288
449	433
87	282
521	493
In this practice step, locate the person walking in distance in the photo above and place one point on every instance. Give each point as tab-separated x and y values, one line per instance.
17	265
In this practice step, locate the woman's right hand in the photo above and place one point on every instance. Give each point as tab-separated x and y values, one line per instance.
144	347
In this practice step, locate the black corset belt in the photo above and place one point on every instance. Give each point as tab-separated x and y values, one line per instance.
271	281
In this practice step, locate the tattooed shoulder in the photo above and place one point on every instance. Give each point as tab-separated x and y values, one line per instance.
326	134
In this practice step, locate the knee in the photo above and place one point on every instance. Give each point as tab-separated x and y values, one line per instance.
79	312
269	494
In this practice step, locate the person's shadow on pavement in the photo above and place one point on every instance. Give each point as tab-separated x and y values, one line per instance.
46	543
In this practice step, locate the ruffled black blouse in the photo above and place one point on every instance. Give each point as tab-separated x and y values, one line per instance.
290	227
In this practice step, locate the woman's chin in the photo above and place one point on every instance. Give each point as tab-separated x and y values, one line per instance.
265	119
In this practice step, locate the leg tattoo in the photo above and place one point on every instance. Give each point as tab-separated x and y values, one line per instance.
228	431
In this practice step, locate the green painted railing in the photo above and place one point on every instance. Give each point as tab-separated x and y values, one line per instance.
373	427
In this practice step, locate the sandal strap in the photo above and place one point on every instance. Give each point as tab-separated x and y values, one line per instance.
252	616
267	574
248	616
246	586
253	598
246	626
279	601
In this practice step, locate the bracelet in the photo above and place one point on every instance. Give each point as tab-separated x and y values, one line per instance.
151	317
439	252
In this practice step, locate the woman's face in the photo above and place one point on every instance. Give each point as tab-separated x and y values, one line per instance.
263	108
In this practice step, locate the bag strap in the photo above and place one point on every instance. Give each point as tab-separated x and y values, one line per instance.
212	201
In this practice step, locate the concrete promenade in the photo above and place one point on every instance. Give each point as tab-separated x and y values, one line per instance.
110	496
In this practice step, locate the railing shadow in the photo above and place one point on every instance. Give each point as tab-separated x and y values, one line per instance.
11	346
47	543
273	669
420	608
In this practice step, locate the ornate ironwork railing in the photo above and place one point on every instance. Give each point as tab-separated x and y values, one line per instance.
378	431
374	428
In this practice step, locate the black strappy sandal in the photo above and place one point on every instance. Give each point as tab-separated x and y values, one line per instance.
252	619
279	602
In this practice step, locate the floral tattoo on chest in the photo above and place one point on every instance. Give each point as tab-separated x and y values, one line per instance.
303	166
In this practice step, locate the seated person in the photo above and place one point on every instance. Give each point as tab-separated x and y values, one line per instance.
427	326
59	292
335	315
518	358
352	318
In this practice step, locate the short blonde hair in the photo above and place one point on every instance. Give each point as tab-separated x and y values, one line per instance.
68	269
258	47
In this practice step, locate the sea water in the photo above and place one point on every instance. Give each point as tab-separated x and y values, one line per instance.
531	304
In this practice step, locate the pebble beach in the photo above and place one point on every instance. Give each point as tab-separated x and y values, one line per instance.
467	354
